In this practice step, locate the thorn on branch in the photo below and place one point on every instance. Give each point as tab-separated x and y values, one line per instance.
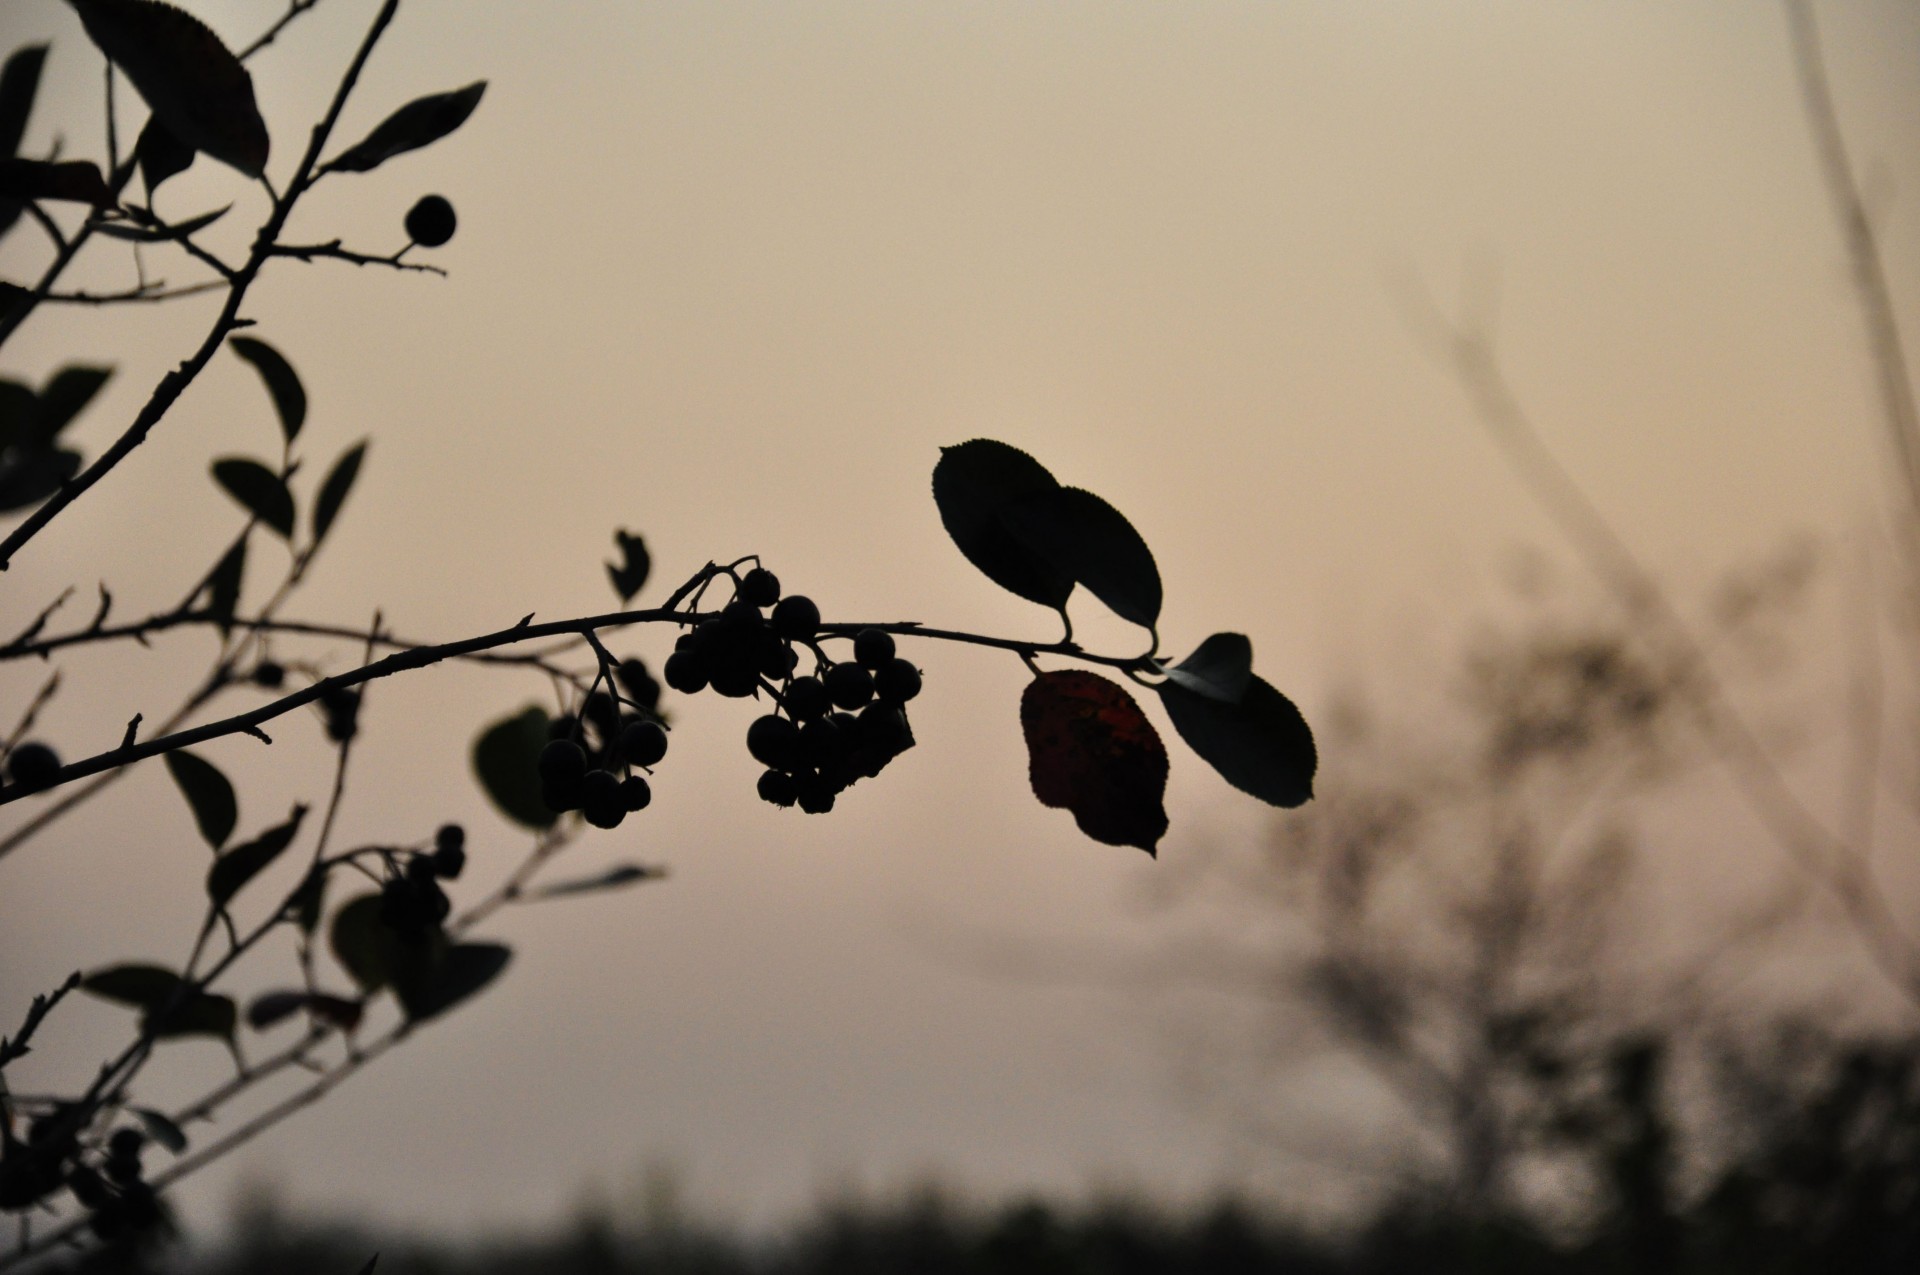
133	732
257	733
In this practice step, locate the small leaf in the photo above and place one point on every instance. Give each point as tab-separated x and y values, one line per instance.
421	122
1219	668
208	793
305	904
462	971
506	760
64	397
189	79
29	477
283	383
274	1007
1093	543
161	154
75	181
1261	745
362	942
160	231
1092	751
973	484
244	862
259	490
201	1014
635	564
333	492
161	1129
223	586
138	985
19	83
612	878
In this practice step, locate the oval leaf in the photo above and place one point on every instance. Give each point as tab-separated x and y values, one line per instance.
29	477
246	861
1093	543
462	971
273	1007
64	396
973	484
161	154
333	492
223	586
161	1129
371	951
208	793
75	181
1092	751
138	985
1220	668
19	83
630	574
283	383
201	1014
259	490
421	122
1261	745
189	79
506	760
160	231
612	878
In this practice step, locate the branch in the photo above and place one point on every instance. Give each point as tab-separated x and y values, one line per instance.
332	251
16	1046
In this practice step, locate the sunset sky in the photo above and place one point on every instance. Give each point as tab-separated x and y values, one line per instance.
730	275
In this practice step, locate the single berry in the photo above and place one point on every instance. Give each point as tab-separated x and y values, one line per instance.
774	741
449	861
640	685
849	686
32	765
736	681
772	656
814	794
896	681
606	814
685	671
341	704
760	587
807	698
125	1144
636	794
450	834
778	787
562	761
430	222
601	785
270	675
795	616
602	801
743	613
872	648
643	743
884	728
820	742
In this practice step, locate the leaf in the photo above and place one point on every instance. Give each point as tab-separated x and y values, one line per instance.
1261	745
259	490
19	84
244	862
363	943
462	971
1093	543
612	878
1219	668
1092	751
333	492
973	484
161	1129
74	180
306	901
421	122
208	793
64	397
161	154
289	396
274	1007
189	79
201	1014
635	564
29	477
223	586
163	231
506	760
138	985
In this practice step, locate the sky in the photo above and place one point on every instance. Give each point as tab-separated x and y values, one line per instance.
730	275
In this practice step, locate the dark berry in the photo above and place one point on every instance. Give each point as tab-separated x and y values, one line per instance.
636	794
430	222
774	741
820	742
807	698
736	681
600	786
270	675
603	714
777	786
742	613
685	671
449	862
884	728
760	587
32	765
872	648
796	617
897	681
772	655
562	761
125	1144
341	704
640	685
643	743
606	814
849	686
564	794
420	868
450	835
814	794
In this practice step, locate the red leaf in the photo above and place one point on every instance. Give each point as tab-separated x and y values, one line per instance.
1092	751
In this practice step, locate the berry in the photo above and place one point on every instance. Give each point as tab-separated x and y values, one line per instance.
820	742
430	222
341	704
270	675
636	794
807	699
32	765
884	728
685	671
562	795
736	681
814	794
125	1144
772	655
606	814
450	835
449	862
742	613
562	761
640	685
872	648
796	617
760	587
896	681
774	741
849	686
778	787
643	743
602	800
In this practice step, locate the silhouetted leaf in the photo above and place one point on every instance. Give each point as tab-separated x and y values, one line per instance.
161	154
259	490
141	986
635	563
208	793
338	1011
201	1014
289	396
64	397
421	122
246	861
1092	751
163	232
973	484
363	942
189	79
19	83
612	878
333	492
73	180
274	1007
223	586
161	1129
1260	744
304	906
1219	668
506	760
462	971
29	477
1093	543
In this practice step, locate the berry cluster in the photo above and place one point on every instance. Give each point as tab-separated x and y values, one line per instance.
111	1186
581	766
839	724
412	903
